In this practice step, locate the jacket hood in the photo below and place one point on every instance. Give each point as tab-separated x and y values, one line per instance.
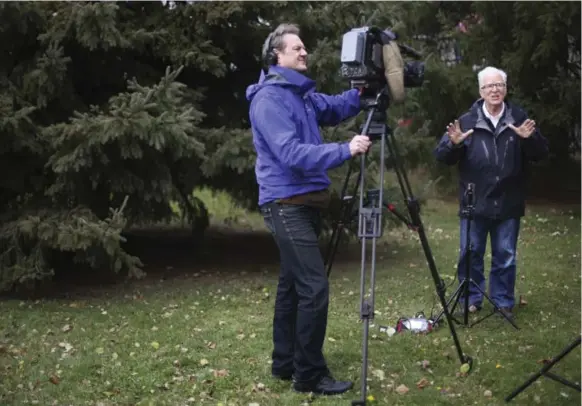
284	77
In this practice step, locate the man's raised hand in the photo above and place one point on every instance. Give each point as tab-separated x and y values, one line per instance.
455	134
526	129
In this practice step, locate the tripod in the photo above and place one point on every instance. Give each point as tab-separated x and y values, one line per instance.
370	226
545	371
463	288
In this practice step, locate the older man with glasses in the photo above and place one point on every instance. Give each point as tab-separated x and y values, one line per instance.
492	144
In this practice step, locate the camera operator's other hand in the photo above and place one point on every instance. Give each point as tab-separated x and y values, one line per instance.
455	134
359	144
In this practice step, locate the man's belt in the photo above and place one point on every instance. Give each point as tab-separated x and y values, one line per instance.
319	199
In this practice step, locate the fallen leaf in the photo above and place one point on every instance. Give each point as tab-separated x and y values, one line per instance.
487	393
378	373
66	346
423	383
424	364
220	373
54	379
402	389
203	362
66	328
258	387
211	345
100	350
522	301
155	345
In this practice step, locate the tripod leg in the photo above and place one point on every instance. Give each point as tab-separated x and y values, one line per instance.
366	309
332	246
469	253
414	210
347	205
545	369
455	297
369	228
497	309
364	316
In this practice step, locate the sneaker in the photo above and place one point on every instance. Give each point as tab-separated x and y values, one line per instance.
324	386
473	308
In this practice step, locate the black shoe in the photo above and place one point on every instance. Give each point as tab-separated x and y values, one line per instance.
286	376
324	386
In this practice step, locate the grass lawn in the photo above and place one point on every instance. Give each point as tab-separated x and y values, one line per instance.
197	331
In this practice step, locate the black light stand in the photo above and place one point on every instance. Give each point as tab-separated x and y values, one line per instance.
463	288
370	226
545	371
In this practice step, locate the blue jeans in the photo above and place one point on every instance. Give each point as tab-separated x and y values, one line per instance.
301	305
504	235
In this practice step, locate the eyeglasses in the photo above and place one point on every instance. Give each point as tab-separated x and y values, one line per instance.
490	86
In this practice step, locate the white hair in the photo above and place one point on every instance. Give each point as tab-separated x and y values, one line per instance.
490	70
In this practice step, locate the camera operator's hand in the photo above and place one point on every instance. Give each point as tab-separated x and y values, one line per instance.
359	144
455	134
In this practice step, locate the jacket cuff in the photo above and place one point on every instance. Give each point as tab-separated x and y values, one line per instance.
454	146
345	151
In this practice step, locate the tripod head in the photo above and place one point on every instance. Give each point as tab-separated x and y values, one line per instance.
374	103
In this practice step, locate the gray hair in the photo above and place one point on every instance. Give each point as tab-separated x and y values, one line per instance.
280	32
490	70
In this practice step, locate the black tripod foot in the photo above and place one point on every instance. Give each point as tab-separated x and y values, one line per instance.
467	360
358	403
502	313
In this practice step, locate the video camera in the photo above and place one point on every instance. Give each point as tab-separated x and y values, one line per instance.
371	59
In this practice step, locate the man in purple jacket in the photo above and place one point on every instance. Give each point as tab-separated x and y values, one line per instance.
291	170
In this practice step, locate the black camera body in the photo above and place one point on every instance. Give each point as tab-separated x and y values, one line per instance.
362	60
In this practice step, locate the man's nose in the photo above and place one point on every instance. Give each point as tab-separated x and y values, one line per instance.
303	52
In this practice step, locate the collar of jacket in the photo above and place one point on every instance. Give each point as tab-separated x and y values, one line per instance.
478	119
291	78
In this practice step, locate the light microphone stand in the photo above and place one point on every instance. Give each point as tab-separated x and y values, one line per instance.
463	288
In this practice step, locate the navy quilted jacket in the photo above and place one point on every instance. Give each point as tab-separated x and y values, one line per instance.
495	160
